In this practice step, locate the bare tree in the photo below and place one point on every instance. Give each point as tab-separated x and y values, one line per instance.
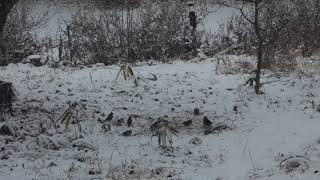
253	18
260	41
265	26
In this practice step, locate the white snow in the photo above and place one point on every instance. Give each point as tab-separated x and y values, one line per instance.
266	128
217	15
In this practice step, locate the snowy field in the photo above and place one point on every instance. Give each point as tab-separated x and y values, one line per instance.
272	136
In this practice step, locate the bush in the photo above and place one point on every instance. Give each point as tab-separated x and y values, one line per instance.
159	31
105	4
289	29
20	42
234	36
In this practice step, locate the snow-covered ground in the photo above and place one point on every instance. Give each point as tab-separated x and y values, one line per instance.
272	136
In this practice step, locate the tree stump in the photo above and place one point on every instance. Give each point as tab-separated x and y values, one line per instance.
7	96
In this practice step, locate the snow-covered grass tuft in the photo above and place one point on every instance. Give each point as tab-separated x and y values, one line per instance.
9	128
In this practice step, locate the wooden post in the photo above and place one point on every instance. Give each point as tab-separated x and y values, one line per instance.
193	24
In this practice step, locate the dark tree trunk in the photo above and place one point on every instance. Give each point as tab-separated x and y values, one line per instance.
7	96
3	19
260	47
5	8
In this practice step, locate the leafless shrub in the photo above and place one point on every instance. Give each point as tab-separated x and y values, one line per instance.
234	36
226	64
288	29
19	39
308	66
158	30
284	63
106	4
245	65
